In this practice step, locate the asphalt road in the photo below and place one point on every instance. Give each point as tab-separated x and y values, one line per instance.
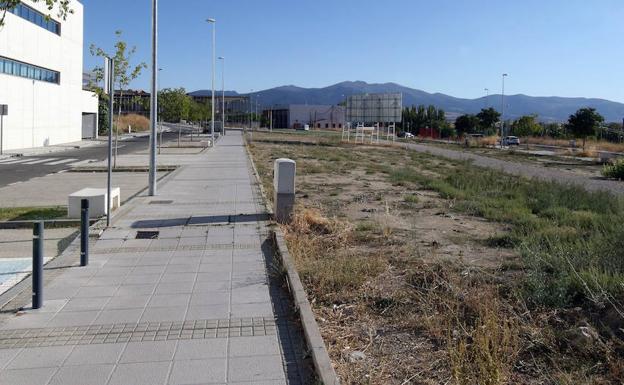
15	170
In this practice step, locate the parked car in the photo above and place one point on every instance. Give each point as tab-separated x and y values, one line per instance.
511	141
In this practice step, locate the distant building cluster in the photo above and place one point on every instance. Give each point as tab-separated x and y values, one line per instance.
297	116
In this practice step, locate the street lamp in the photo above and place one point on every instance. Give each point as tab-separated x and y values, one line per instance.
154	101
223	92
503	109
160	116
487	97
214	63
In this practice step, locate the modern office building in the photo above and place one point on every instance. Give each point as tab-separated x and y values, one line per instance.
41	78
297	116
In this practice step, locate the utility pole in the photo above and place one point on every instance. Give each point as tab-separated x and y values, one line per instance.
154	101
487	97
214	63
223	92
503	111
109	88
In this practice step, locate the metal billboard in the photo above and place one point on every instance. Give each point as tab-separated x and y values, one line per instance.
375	108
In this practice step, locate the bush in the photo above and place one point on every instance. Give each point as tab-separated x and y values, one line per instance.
615	171
137	122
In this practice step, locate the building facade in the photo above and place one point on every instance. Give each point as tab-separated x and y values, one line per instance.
41	78
237	107
297	116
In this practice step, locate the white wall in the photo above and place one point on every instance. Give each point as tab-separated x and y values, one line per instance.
42	113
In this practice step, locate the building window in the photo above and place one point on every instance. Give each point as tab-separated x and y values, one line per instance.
326	125
28	71
36	17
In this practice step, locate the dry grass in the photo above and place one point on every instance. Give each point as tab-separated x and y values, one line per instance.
597	145
391	305
137	122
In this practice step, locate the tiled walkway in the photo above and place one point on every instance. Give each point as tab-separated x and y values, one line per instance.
197	304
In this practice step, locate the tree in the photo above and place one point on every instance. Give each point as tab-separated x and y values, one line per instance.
467	124
584	123
554	130
124	72
64	7
488	117
175	104
526	126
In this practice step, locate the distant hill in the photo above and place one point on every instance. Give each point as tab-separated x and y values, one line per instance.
547	108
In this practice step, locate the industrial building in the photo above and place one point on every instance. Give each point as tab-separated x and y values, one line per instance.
237	107
297	116
41	78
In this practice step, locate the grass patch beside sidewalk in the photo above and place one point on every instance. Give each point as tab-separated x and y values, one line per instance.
424	270
32	213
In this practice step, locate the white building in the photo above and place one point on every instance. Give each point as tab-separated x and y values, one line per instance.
41	64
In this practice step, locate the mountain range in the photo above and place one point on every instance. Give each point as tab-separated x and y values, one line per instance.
552	108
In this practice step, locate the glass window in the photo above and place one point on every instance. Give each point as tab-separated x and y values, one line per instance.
29	71
36	17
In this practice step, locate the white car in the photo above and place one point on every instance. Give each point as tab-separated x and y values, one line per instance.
511	141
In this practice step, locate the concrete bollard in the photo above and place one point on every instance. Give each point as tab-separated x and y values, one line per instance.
284	186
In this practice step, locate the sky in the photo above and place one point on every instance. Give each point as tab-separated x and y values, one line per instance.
458	47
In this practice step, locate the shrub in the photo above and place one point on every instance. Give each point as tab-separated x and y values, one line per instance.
137	122
615	171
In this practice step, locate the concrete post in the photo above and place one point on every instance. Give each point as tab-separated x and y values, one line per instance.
284	186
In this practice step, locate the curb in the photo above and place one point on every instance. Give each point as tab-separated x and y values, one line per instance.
322	363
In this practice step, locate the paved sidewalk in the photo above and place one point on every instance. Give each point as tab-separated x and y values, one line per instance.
199	304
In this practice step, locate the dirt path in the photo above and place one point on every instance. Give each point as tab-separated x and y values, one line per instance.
526	170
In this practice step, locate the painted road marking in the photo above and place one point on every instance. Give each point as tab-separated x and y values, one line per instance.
82	163
59	162
17	161
41	161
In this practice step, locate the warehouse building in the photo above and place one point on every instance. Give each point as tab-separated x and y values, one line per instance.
41	76
297	116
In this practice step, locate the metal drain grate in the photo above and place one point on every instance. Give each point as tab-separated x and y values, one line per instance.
161	202
147	234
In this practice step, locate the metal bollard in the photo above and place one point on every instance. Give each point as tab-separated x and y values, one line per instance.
84	232
37	269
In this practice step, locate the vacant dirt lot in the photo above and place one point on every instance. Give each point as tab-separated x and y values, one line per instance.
419	273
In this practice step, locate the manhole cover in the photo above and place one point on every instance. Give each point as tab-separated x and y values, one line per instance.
147	234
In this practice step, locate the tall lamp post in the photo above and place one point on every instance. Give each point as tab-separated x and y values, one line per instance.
487	97
223	93
214	63
503	110
154	101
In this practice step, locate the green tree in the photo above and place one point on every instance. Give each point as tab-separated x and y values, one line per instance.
125	73
554	130
175	104
467	124
64	7
488	117
526	126
585	122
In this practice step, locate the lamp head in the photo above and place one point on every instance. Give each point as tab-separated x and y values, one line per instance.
211	20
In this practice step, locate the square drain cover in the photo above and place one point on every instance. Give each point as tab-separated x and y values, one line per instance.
147	234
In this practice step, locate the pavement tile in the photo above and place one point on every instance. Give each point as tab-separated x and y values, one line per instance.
164	314
26	376
148	351
198	371
95	354
169	300
74	318
201	349
146	373
137	301
113	316
254	346
46	357
79	375
207	312
260	368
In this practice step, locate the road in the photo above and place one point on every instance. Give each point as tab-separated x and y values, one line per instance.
525	170
15	170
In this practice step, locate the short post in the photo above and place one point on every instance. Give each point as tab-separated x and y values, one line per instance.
284	186
84	232
37	269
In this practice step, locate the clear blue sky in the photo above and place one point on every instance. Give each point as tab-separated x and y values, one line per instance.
457	47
